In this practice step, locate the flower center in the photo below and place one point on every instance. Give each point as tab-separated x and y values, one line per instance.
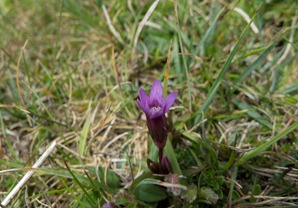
155	109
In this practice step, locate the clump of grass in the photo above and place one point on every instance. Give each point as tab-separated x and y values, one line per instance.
71	72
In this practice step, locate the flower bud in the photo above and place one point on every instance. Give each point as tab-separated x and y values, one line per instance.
165	165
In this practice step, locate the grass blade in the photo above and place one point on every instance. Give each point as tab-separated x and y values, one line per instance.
252	113
8	143
226	66
81	186
84	135
130	167
143	22
257	63
289	90
166	74
183	55
169	152
208	33
266	145
232	185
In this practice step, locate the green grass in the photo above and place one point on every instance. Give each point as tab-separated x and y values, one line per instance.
70	72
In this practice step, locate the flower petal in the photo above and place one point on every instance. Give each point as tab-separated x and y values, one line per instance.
143	101
170	99
143	96
156	91
144	107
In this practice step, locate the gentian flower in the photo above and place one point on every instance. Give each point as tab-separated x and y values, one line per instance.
155	106
109	205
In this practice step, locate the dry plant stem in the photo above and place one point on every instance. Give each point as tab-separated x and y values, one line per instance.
17	74
289	45
143	22
111	27
247	19
27	176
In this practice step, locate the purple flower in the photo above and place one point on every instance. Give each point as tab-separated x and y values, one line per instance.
155	106
109	205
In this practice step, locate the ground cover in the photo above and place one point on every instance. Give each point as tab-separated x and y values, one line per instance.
71	73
